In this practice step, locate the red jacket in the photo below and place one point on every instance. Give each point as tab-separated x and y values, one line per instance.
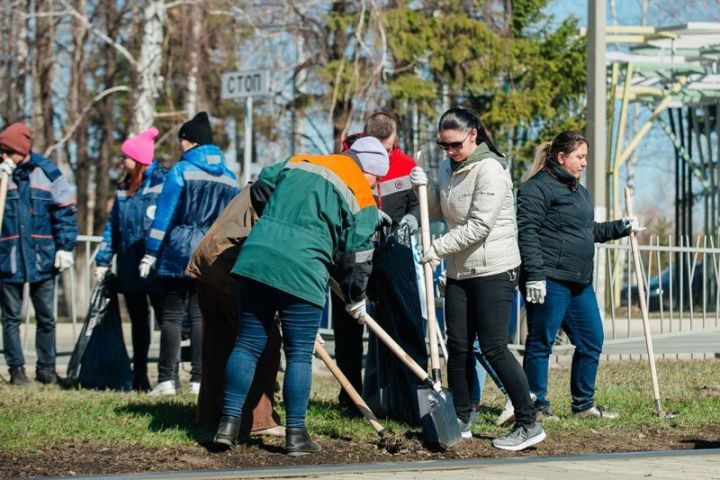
394	191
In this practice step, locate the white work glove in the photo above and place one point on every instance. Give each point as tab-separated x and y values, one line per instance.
63	260
535	291
357	311
8	166
100	273
410	222
146	264
633	224
384	220
418	177
430	256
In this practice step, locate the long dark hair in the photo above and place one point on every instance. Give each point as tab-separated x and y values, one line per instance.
465	119
133	180
564	142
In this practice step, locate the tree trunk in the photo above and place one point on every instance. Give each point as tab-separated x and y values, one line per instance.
77	95
194	47
43	66
107	128
149	79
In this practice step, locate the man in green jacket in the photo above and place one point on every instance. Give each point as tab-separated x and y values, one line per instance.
317	212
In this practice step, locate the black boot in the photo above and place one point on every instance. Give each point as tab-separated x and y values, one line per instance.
297	442
227	431
46	375
18	377
141	383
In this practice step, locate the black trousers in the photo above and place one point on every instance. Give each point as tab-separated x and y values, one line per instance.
480	307
138	308
348	348
179	301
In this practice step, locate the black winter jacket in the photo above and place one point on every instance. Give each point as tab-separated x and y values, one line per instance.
557	229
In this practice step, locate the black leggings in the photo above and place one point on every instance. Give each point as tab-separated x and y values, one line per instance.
137	305
481	306
179	302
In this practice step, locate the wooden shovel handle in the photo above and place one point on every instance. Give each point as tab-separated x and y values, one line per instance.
391	343
429	290
4	182
322	354
640	281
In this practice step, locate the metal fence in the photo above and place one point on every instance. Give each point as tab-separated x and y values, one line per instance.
682	285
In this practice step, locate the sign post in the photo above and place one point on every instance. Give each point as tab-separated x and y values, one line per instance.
245	84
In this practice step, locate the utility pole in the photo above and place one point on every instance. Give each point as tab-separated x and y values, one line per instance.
596	179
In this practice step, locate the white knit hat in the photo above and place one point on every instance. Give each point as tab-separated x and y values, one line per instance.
372	155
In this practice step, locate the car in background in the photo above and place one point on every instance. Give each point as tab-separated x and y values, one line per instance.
659	290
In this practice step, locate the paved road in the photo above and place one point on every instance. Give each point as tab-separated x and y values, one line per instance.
705	342
675	465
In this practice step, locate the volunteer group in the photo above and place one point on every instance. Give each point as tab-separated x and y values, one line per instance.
315	217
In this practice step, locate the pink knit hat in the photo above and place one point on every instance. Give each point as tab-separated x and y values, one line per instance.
141	147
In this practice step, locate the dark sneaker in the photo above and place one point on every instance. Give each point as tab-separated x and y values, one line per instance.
46	376
18	377
597	411
297	442
520	438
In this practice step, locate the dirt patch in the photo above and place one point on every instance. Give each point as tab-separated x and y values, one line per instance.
97	458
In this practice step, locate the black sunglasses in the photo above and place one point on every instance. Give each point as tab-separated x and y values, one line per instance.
452	145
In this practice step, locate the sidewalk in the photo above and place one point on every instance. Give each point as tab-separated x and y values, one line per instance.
673	465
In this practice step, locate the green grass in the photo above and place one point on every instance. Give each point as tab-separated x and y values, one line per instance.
37	417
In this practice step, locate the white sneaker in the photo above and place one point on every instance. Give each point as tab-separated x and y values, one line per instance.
464	429
163	388
195	388
508	412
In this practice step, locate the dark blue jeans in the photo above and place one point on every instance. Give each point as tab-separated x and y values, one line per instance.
11	297
575	307
257	305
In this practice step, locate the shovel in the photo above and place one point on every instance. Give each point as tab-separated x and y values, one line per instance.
444	397
644	310
4	182
322	354
439	422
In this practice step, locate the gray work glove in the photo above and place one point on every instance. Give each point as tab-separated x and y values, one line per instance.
410	222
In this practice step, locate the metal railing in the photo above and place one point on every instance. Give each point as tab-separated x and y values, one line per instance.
682	285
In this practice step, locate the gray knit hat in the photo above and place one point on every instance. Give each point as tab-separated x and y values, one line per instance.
372	155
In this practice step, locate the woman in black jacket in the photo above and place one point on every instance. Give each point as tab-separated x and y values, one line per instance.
557	233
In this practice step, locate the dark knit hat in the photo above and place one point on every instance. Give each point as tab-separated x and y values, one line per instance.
197	130
17	138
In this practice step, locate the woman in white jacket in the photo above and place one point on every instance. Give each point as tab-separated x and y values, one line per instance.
474	196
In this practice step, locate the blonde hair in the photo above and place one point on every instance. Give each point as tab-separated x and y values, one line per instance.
542	152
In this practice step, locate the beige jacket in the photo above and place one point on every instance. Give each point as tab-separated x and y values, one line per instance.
478	205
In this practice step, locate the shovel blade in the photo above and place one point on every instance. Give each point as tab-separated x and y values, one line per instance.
437	417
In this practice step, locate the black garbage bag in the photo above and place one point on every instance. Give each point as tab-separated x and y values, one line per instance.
389	387
100	359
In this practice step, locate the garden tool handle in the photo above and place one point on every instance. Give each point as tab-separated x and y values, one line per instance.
640	281
391	343
4	182
428	276
323	355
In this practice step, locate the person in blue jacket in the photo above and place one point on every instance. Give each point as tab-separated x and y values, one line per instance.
195	192
127	227
39	230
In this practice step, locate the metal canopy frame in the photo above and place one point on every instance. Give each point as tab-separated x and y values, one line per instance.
675	72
